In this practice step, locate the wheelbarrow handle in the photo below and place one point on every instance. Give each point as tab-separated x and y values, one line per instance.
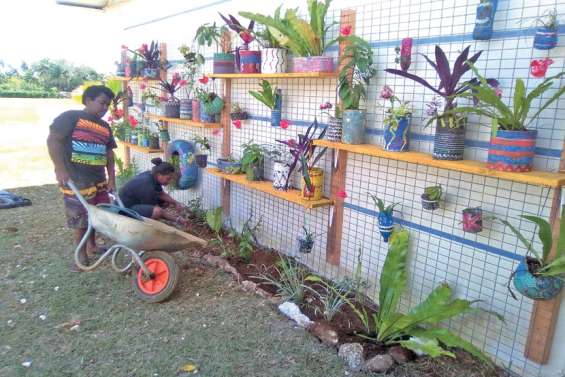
77	193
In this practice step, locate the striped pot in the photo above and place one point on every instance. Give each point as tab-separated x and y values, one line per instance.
223	63
335	129
484	20
449	139
396	136
353	126
512	151
196	110
186	109
536	287
273	60
545	38
249	61
312	64
171	109
386	225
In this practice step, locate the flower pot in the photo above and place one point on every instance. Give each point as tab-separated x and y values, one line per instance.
196	110
186	109
201	160
317	179
386	225
276	118
215	106
533	286
312	64
305	246
249	61
353	126
133	70
538	67
449	139
229	167
242	115
473	220
255	172
150	73
281	171
133	138
396	135
171	109
223	63
154	142
204	116
430	205
164	136
120	69
545	38
484	20
512	151
335	130
273	60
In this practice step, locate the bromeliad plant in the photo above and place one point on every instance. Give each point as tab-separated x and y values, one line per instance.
417	330
171	87
269	95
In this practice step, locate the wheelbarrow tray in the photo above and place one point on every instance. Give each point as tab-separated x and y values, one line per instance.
146	234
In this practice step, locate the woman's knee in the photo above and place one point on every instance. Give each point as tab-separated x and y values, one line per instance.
157	212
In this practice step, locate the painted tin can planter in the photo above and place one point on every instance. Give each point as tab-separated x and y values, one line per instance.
171	109
473	220
186	109
242	115
281	171
430	205
201	160
133	138
305	246
215	106
512	151
120	70
196	110
249	61
386	225
276	113
484	20
204	116
312	64
353	126
255	172
545	38
396	136
335	130
535	287
273	60
154	142
150	73
223	63
449	141
228	166
317	179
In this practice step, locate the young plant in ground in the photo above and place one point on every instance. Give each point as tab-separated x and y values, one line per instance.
124	173
417	330
288	278
331	299
215	222
246	238
196	211
268	94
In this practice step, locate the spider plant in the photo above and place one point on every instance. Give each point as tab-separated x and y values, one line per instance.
288	278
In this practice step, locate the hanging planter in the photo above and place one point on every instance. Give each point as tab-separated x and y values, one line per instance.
223	62
305	244
473	220
133	138
312	64
204	116
196	110
185	109
249	61
353	126
534	286
431	198
317	186
120	69
538	67
512	150
545	38
485	18
281	170
273	60
272	98
449	139
396	135
171	108
385	219
214	106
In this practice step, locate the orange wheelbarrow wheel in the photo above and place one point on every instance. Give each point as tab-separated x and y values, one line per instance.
163	279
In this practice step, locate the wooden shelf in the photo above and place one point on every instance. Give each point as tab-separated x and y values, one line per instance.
184	121
539	178
289	75
123	78
292	195
140	149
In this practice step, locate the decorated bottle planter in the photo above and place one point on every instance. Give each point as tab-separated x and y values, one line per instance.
133	138
534	286
473	220
485	18
273	60
431	197
241	115
223	63
281	170
186	109
171	109
385	219
545	38
120	69
229	166
512	151
312	64
354	126
335	129
449	139
196	110
396	136
127	135
250	61
317	180
204	116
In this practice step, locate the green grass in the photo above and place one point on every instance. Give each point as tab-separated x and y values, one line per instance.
209	321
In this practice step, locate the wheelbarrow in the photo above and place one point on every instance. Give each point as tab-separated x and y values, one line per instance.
155	273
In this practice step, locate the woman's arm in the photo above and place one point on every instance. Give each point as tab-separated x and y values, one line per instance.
167	198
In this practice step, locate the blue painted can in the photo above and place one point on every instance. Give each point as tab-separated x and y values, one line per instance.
188	168
545	38
536	287
353	126
277	111
204	116
396	135
386	225
484	20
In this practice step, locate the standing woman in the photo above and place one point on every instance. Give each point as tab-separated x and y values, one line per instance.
144	193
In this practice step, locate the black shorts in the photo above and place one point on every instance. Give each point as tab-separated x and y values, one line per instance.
145	210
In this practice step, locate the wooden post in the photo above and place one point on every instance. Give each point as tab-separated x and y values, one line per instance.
127	154
339	168
226	127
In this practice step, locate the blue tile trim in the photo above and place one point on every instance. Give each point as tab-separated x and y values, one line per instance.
439	233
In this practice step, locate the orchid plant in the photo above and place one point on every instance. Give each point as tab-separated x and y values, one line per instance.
394	114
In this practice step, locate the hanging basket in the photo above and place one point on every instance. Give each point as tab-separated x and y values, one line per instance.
242	115
204	116
430	205
533	286
201	160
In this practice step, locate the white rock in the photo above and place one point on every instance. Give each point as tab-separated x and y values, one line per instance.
291	310
23	301
56	288
26	364
74	328
43	317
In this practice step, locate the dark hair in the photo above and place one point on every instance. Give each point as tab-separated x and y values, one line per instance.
161	167
92	92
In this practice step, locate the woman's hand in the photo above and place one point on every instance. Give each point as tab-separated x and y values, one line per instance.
179	206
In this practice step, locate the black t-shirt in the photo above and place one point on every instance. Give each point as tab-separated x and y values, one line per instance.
142	189
86	140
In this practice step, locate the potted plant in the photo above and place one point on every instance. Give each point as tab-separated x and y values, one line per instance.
306	241
449	139
171	105
193	61
386	221
354	76
305	39
272	98
485	18
396	122
253	161
203	148
431	197
274	57
206	34
237	112
540	276
281	158
210	103
229	165
150	102
150	55
509	124
303	151
473	220
547	31
246	60
335	122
